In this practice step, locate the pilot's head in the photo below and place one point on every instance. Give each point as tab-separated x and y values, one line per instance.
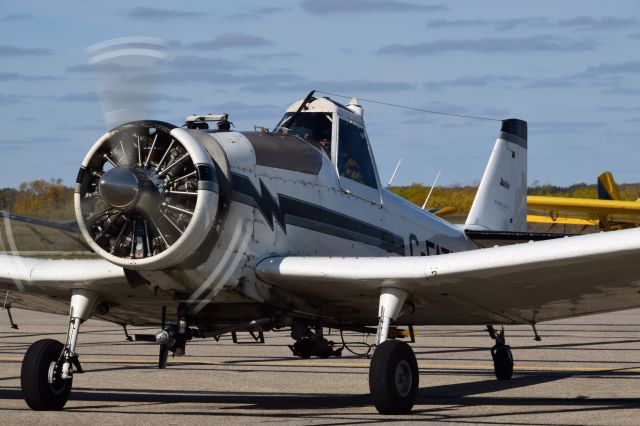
326	145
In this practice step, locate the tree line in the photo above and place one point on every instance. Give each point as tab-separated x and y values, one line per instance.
46	199
51	199
461	197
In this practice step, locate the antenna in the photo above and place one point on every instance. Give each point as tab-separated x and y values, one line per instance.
424	206
394	172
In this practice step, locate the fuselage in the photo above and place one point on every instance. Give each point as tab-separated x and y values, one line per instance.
287	198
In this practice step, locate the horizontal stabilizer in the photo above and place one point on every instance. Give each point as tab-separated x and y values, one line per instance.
513	236
503	238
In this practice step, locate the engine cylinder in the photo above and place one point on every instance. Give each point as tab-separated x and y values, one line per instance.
147	195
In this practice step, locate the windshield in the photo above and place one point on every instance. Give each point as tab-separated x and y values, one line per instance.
312	126
354	159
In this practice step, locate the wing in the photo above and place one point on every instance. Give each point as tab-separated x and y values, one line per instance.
45	285
556	219
605	211
523	283
70	226
24	273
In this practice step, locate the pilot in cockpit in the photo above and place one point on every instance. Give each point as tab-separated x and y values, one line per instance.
312	126
350	168
326	145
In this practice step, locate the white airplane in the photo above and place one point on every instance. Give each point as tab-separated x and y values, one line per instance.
232	231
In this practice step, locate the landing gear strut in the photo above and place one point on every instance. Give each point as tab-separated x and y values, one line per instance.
501	354
48	366
393	373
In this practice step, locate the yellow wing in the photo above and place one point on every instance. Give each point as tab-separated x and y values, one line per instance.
608	214
560	220
443	211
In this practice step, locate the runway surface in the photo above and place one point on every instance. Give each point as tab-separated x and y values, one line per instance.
584	371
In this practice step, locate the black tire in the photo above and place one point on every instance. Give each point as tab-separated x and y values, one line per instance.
502	362
39	394
393	378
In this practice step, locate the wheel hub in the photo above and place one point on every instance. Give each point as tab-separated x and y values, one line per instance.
56	383
403	378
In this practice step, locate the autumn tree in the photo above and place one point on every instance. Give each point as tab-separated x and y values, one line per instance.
44	199
7	197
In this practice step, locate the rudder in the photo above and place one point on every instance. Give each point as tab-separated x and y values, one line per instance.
607	187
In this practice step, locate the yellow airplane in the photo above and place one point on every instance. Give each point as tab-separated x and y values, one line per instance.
608	212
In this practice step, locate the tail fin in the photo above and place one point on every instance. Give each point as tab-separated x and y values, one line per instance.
501	200
607	188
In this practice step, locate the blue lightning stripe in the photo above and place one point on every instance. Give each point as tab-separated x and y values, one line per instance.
288	210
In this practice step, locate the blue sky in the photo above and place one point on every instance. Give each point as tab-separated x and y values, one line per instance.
570	68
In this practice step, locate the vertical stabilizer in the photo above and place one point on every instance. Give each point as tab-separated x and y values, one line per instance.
607	188
501	200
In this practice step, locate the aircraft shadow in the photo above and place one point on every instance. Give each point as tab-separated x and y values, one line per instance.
453	396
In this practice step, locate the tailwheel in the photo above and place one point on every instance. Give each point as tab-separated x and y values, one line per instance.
43	387
393	377
502	362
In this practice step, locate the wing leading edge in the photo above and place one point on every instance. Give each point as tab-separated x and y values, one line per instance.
524	283
32	273
46	285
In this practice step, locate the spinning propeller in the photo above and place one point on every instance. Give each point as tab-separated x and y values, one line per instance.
127	73
146	194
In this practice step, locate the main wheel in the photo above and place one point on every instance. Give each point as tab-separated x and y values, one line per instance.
393	378
502	362
42	386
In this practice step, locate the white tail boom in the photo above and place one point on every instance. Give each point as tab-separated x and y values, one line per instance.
501	201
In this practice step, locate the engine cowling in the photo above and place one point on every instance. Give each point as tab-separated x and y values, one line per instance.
147	195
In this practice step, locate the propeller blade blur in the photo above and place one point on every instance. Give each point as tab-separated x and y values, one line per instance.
127	73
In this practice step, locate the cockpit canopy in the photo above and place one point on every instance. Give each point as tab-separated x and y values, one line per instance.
340	132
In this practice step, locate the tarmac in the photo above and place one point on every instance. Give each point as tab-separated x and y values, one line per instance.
584	371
